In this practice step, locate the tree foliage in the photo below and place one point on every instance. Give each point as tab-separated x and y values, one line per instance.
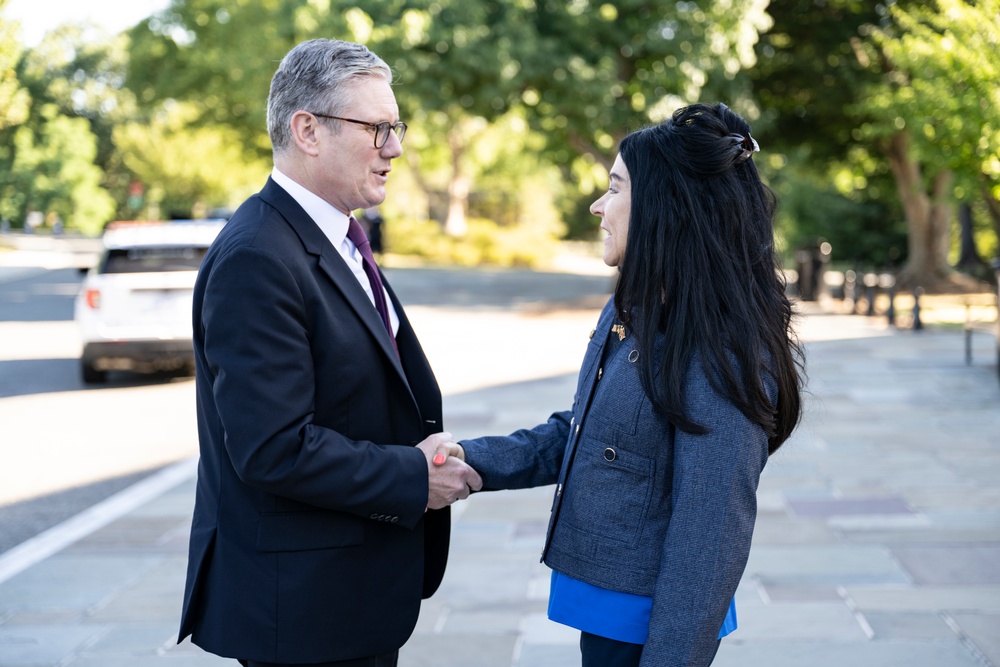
221	55
51	163
875	117
945	69
188	168
14	99
934	117
808	81
53	172
594	71
863	93
585	73
944	65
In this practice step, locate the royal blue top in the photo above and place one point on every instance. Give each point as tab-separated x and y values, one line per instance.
599	611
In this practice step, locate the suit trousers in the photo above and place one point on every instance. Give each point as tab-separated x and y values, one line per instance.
383	660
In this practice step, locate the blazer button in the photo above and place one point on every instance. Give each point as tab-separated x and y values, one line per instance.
610	454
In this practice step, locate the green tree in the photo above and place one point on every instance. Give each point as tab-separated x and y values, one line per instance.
595	71
81	72
221	55
808	81
457	67
48	163
188	169
14	100
53	171
585	72
858	89
446	54
938	117
592	71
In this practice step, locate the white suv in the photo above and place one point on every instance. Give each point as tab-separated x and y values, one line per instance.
134	308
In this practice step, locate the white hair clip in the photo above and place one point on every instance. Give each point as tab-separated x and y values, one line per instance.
749	146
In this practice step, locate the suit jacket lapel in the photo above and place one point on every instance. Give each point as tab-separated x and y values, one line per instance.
333	265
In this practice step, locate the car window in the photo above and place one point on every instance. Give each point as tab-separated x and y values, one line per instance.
149	259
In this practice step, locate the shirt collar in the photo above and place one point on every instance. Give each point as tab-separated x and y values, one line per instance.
332	223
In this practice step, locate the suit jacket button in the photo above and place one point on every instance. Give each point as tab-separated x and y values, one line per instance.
395	519
610	454
374	516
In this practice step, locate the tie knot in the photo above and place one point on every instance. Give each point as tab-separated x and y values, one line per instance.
356	233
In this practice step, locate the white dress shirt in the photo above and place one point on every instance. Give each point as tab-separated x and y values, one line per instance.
333	224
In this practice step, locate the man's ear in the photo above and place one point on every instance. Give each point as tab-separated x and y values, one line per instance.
305	132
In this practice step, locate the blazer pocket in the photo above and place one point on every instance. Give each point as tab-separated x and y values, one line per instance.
305	531
608	492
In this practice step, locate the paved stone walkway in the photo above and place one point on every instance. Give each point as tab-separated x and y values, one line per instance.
877	543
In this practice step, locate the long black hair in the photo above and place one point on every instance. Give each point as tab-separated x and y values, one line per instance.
699	270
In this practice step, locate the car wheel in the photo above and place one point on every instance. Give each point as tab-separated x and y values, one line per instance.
90	374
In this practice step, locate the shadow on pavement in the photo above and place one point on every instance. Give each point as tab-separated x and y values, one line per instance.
24	519
40	297
24	377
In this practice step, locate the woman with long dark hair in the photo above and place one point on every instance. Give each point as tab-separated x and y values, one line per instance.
691	380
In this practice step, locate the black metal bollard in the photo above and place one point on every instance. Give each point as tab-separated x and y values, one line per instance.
891	313
917	324
996	268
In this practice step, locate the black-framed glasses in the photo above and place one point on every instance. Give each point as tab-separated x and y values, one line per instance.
381	128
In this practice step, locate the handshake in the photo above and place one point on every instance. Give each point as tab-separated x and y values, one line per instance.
449	477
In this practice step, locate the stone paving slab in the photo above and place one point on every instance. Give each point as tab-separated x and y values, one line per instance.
895	653
983	629
45	645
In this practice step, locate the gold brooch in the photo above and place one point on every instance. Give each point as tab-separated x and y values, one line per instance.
620	330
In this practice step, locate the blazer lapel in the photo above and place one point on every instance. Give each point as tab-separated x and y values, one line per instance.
333	265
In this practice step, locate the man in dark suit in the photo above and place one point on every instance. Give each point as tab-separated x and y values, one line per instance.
321	519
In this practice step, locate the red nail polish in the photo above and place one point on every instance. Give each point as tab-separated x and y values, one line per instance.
439	459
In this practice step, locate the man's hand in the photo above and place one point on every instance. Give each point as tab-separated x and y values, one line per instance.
449	477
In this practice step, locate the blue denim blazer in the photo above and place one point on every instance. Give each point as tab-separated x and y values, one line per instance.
640	506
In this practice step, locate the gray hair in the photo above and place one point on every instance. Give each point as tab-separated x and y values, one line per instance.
313	77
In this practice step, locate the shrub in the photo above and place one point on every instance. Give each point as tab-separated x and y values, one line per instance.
485	244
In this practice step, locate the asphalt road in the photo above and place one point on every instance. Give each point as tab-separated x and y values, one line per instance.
64	445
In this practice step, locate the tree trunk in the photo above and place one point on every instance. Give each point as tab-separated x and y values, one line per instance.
927	216
968	257
993	206
418	176
458	187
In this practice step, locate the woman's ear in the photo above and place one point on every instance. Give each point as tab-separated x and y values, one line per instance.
305	132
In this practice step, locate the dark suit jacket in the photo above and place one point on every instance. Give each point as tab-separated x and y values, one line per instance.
309	541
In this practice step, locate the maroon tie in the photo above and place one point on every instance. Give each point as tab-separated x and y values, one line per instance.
357	236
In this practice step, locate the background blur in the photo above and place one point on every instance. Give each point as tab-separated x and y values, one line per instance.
879	122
